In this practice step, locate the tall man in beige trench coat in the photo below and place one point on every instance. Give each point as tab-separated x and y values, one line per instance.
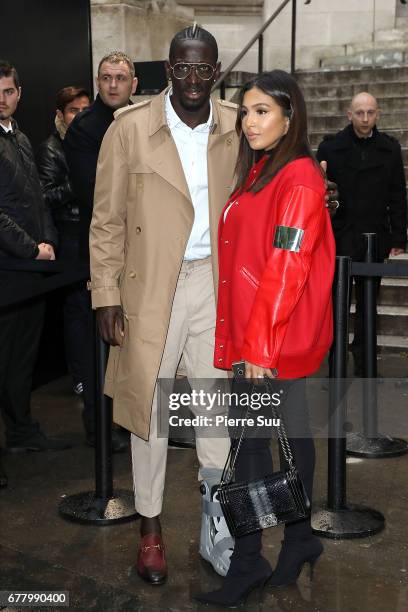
154	302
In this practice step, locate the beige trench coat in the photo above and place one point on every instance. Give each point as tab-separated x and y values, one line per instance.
142	219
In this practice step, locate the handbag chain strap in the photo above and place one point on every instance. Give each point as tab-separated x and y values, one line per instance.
229	467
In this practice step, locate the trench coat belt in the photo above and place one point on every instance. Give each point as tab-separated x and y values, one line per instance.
189	265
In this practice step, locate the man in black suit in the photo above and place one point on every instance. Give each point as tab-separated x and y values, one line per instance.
367	166
115	82
59	196
26	232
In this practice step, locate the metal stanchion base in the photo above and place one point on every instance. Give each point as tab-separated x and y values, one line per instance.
381	446
87	508
348	523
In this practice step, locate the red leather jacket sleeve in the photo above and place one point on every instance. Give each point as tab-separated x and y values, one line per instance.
284	277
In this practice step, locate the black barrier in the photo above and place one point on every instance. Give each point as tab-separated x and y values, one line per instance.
370	443
104	506
337	519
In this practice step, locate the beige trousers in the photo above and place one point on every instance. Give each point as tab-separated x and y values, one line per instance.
191	333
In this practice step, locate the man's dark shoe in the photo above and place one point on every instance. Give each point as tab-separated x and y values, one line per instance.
151	559
181	443
3	475
37	442
120	440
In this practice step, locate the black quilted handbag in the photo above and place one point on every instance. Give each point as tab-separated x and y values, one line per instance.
276	498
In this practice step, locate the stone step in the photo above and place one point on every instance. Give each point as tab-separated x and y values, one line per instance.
389	344
351	76
391	321
394	291
376	45
374	58
345	90
392	344
316	136
318	123
392	35
325	106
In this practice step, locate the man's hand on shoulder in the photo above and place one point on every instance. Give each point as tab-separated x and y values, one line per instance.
332	194
110	324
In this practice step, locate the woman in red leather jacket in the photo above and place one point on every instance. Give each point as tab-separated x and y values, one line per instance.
276	263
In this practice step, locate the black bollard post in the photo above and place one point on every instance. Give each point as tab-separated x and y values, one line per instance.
105	506
336	484
103	429
336	519
370	443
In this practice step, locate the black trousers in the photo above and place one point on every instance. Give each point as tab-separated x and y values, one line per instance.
78	326
20	332
255	458
75	303
84	324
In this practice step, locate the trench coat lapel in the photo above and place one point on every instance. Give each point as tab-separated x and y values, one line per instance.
164	159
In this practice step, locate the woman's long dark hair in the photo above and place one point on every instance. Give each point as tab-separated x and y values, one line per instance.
286	92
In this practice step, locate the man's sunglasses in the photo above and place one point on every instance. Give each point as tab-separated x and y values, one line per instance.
182	70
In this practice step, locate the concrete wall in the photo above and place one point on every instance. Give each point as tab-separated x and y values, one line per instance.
232	33
324	28
143	29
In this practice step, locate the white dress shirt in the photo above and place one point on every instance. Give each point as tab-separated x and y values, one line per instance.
192	149
9	128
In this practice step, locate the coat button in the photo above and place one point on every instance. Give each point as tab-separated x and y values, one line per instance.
221	346
132	274
138	229
229	141
222	320
226	241
220	359
223	282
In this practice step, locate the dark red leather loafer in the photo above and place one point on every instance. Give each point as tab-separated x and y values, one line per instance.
151	560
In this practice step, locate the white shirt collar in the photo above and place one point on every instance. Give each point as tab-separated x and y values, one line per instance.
9	128
173	120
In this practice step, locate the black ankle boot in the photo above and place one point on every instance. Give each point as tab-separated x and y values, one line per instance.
293	555
238	584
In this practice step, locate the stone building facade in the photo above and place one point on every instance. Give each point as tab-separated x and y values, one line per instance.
325	27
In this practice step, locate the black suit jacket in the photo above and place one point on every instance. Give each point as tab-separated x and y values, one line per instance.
25	219
55	183
372	190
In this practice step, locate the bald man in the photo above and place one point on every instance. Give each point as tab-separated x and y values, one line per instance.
367	166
